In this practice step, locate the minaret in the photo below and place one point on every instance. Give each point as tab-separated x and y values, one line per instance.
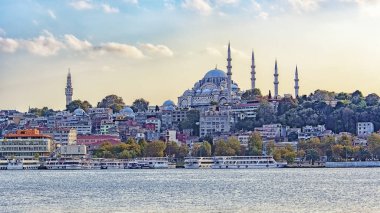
296	86
253	73
68	89
229	73
275	81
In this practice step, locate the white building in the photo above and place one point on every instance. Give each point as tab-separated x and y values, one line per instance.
269	131
73	150
62	136
211	122
364	128
26	144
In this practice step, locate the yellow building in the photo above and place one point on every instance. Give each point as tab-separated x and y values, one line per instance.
26	144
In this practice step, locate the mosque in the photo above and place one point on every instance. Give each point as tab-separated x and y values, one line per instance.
218	87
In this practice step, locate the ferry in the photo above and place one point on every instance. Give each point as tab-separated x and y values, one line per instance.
198	162
19	164
153	163
245	162
65	164
113	164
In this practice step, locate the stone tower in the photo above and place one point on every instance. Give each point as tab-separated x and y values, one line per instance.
229	73
68	89
296	86
253	73
275	80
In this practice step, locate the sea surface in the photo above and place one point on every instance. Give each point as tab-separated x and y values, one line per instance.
181	190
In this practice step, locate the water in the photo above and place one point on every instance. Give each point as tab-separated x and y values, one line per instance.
180	190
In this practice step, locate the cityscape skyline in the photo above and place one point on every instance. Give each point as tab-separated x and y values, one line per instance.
156	57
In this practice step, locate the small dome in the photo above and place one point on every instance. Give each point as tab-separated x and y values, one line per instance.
206	91
169	108
79	112
188	93
168	103
127	111
215	74
199	91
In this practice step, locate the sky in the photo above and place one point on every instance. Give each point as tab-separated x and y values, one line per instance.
156	49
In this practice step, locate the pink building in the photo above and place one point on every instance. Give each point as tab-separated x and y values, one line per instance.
94	141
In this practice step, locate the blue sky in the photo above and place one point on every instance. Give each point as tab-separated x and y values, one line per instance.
156	49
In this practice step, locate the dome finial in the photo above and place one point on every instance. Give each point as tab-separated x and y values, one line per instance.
216	66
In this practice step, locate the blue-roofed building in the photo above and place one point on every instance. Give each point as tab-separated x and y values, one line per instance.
213	87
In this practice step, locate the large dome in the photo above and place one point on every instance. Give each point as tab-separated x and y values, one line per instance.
79	112
168	103
215	74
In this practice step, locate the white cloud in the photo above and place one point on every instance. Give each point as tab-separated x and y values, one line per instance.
51	14
2	32
169	4
305	5
8	45
256	5
369	7
221	2
158	49
108	9
132	1
82	5
201	6
76	44
212	51
263	15
119	48
44	45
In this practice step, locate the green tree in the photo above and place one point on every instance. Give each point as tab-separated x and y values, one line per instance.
183	151
114	102
255	144
265	113
171	149
374	145
191	121
155	149
372	99
220	148
251	94
312	155
140	105
143	144
85	105
45	111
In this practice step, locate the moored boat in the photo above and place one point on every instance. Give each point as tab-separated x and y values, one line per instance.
198	162
245	162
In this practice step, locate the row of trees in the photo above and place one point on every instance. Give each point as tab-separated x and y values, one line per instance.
339	149
114	102
133	149
318	109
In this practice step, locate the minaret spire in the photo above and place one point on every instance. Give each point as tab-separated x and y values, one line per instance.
229	73
253	73
276	80
296	80
68	89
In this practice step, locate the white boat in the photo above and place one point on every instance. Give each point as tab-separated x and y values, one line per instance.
69	164
112	164
245	162
154	163
198	162
19	164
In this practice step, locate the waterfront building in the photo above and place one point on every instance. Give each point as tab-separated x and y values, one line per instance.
26	144
364	129
214	122
94	141
62	136
73	150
